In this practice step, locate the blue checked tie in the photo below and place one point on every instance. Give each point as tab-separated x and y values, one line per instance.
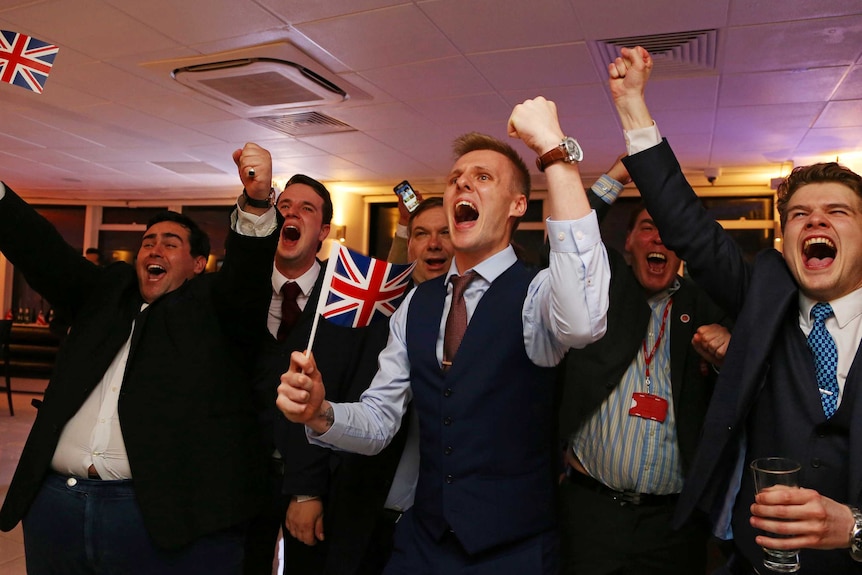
825	358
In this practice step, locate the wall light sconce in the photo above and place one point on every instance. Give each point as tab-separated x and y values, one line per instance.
339	232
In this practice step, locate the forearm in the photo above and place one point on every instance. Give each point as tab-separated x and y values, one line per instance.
633	112
567	199
367	426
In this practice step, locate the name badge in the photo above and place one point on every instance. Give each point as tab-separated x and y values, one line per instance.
648	406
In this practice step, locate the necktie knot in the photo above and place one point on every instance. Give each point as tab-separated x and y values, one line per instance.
460	283
290	290
821	311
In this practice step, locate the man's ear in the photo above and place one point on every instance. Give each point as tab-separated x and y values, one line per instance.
200	265
324	232
519	207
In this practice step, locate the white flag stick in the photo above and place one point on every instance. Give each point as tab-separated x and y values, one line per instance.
324	293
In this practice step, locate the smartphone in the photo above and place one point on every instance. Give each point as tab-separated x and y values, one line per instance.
408	196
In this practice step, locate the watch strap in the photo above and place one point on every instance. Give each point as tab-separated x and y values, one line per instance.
553	155
255	203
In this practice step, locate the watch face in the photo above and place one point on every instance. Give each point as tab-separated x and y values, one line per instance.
573	150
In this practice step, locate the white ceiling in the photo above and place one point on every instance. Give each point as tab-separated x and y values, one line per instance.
786	86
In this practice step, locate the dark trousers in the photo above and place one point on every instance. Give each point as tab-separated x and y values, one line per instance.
379	548
262	536
603	536
84	527
417	553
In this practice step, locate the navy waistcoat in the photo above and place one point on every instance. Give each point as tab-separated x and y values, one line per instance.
487	425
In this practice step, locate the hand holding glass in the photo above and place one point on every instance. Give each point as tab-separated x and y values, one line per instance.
768	472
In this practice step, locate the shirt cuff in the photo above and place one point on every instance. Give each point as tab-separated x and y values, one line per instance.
574	236
335	431
401	231
642	139
607	189
247	224
304	498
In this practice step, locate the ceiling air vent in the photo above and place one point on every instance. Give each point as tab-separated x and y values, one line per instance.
256	86
303	124
676	54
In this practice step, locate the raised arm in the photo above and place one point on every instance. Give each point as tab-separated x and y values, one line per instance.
569	307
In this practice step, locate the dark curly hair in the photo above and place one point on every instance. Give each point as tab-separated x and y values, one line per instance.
815	173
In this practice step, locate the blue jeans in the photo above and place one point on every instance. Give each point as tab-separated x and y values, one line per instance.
86	527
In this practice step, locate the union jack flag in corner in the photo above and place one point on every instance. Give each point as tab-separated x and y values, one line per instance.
25	61
358	290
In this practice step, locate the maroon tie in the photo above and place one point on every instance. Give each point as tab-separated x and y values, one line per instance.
456	322
289	308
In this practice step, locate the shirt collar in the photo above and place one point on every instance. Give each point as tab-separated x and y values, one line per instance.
845	308
490	268
306	281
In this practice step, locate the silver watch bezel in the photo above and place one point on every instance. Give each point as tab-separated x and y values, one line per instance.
856	535
573	150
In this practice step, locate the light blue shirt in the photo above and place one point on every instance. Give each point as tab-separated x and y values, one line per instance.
630	453
566	306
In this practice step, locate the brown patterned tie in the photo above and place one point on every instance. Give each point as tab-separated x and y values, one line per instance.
456	321
290	311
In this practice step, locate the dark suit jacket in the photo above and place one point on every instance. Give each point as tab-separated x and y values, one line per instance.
590	374
354	487
185	407
759	294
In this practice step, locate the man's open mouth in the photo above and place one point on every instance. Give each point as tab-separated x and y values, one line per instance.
155	271
290	233
465	212
818	251
435	262
656	261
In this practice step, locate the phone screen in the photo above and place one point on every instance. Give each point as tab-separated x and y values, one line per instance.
408	196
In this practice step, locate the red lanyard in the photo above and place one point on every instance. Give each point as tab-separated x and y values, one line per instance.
648	358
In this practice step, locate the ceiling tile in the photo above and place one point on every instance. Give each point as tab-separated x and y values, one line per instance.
538	68
380	38
505	24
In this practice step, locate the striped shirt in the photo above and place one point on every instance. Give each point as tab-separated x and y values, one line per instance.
630	453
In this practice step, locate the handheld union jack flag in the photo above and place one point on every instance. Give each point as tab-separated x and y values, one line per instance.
25	61
359	290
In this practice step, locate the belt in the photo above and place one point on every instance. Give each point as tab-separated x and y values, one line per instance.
623	497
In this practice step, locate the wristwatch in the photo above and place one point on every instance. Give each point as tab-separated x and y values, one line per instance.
267	203
856	535
568	151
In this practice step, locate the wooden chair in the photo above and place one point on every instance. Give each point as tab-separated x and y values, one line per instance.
5	336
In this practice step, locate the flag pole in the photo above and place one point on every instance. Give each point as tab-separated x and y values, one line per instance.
321	300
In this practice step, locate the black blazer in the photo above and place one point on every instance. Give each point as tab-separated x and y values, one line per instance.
339	354
185	406
760	295
354	487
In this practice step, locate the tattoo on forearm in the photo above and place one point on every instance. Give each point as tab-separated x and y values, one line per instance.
328	416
